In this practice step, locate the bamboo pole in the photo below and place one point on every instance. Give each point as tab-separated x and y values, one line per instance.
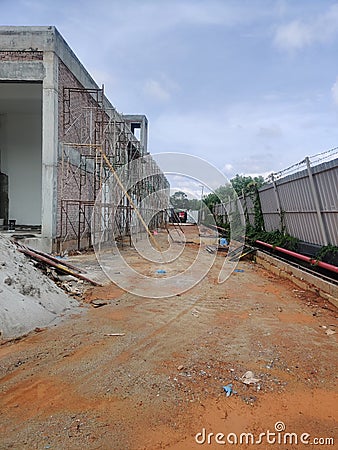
119	182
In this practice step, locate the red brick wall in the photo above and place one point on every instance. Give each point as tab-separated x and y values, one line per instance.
69	179
79	101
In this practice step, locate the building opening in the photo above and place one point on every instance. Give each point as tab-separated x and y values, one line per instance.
20	154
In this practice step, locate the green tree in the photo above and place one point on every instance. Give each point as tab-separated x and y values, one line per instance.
179	200
194	204
211	199
224	192
246	183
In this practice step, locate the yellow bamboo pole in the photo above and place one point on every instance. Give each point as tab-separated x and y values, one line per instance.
119	182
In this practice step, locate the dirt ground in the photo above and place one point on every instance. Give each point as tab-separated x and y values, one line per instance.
160	381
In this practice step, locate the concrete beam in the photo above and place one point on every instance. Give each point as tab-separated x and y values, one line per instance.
45	39
27	38
22	71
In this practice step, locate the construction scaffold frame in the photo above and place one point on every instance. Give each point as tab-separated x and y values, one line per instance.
96	141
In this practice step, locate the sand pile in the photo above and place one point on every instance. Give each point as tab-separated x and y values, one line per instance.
28	298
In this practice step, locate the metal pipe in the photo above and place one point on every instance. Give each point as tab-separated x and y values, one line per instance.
321	264
59	266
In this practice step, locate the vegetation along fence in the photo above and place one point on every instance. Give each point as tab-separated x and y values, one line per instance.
303	204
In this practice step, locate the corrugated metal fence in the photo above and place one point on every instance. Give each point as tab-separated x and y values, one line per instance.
304	204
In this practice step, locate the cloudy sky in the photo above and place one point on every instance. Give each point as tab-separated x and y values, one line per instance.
249	85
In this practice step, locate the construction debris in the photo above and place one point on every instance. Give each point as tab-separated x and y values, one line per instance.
329	332
241	253
71	288
195	313
51	261
228	389
248	378
233	255
97	303
59	260
115	334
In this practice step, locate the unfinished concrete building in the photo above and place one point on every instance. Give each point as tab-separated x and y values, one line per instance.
60	138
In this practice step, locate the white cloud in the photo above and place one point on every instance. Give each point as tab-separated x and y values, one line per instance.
156	90
334	91
269	131
159	17
160	89
298	34
294	35
103	77
247	138
228	169
191	187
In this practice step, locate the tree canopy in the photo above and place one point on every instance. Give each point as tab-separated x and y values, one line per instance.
179	200
246	183
237	185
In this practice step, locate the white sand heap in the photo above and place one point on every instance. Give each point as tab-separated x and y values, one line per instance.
28	298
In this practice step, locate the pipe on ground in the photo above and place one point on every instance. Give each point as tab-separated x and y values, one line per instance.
313	262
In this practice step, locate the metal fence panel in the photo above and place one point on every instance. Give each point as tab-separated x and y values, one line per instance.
305	204
299	210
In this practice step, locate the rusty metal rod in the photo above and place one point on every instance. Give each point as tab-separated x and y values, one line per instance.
58	266
52	258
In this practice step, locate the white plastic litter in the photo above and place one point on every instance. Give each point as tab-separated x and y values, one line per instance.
248	378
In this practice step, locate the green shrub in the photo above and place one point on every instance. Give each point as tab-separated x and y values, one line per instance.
327	253
275	238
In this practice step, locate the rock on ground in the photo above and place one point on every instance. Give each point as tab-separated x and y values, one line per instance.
28	299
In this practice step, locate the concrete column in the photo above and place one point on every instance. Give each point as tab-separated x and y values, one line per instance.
144	136
49	147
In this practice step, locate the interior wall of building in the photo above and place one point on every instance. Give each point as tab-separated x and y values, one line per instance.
21	156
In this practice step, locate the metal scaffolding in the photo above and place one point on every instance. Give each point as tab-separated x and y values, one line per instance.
96	140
